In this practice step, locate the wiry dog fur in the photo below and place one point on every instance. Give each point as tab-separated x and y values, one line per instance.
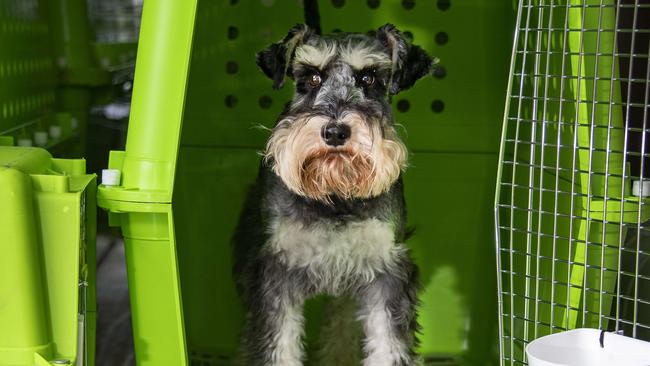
327	214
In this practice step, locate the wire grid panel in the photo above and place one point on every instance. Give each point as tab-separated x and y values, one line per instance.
573	240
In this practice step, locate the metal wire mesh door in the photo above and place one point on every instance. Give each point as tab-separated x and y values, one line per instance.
573	237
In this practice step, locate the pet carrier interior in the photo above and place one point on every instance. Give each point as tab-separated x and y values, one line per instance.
193	143
192	150
572	196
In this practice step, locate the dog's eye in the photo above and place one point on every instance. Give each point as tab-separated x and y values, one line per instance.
315	80
367	79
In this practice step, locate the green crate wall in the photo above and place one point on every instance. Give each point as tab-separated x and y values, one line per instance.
50	72
192	150
37	38
27	70
47	260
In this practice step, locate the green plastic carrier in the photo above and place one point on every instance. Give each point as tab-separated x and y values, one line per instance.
192	151
51	71
49	75
46	69
47	265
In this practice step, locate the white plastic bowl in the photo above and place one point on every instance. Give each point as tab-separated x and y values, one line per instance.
581	347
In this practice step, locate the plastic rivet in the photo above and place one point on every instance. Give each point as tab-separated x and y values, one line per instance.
55	131
111	177
24	142
40	138
637	191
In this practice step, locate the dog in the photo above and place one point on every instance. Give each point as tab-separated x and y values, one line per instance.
326	214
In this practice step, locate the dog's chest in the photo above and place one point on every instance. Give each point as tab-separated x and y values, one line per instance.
335	252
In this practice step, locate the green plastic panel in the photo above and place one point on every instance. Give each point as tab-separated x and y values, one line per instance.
224	76
222	175
47	259
27	70
223	71
228	98
458	307
46	67
454	299
141	205
455	109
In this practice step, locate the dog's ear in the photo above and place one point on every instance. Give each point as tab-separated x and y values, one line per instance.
410	62
276	59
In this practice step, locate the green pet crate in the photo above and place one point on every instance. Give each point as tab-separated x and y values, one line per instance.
192	150
48	75
568	225
51	72
28	78
45	73
47	261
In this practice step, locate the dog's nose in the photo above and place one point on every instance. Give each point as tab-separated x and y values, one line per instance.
336	134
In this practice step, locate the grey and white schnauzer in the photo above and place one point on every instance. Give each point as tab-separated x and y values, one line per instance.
326	214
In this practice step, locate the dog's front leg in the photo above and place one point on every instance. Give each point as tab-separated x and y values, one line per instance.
275	326
388	312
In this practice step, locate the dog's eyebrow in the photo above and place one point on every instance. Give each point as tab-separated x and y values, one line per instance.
304	68
314	56
362	56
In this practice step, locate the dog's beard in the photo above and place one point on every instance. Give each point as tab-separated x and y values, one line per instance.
341	173
366	166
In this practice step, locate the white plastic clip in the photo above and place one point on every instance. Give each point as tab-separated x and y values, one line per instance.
40	138
111	177
639	191
24	142
55	132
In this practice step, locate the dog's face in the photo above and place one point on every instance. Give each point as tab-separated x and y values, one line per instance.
337	137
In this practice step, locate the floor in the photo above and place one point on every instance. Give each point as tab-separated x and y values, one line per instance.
114	336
